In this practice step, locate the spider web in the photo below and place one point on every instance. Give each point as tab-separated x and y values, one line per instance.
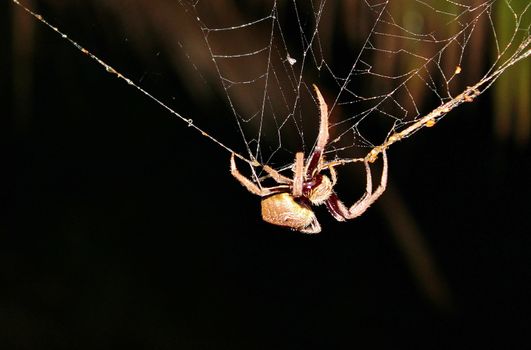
386	68
403	67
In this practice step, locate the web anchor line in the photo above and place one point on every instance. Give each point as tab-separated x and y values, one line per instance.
108	68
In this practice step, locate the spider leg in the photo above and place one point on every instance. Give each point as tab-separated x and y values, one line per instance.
312	166
336	207
339	211
248	184
322	138
278	177
361	206
298	177
333	174
333	204
368	186
314	160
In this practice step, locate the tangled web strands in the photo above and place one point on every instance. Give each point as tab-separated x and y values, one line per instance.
386	68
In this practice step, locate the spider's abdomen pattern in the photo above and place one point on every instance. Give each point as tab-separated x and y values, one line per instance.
282	209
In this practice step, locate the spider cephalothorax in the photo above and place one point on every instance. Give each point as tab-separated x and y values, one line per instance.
289	203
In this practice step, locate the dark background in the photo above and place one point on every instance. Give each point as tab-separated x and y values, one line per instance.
123	227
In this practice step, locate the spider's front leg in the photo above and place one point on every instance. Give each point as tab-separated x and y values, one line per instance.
314	160
341	213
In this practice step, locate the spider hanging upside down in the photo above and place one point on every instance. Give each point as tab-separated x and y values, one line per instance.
289	203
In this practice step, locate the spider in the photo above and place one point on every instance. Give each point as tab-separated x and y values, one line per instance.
289	203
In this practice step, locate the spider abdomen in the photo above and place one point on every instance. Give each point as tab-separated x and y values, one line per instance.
282	209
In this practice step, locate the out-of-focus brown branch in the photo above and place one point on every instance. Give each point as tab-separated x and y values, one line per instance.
23	39
415	250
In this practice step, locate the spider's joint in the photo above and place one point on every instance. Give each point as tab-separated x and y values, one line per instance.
471	93
373	154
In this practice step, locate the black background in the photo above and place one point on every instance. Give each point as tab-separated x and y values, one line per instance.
125	227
